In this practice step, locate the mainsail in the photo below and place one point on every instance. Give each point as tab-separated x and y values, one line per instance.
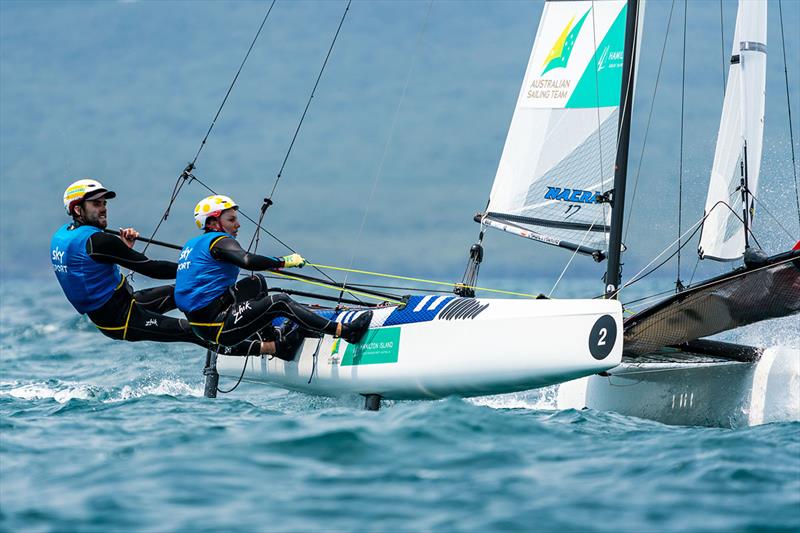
737	160
561	146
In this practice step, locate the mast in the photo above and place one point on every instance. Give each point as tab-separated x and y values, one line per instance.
745	198
614	273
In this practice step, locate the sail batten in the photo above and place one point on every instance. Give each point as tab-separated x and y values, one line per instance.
737	159
560	151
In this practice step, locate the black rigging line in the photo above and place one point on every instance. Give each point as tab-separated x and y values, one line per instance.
648	297
179	183
244	215
187	172
789	108
386	145
678	284
776	219
213	122
662	263
395	287
337	285
311	96
694	270
265	230
361	286
238	381
687	241
268	200
647	127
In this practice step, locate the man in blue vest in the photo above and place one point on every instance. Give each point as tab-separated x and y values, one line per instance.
85	260
222	310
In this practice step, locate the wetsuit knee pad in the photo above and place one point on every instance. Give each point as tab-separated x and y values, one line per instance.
250	288
280	297
262	281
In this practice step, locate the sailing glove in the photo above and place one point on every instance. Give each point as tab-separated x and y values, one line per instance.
294	260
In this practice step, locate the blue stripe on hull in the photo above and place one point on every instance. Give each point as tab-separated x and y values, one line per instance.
418	309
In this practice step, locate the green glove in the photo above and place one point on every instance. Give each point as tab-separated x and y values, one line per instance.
294	260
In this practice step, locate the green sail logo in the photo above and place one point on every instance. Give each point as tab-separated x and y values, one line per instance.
562	49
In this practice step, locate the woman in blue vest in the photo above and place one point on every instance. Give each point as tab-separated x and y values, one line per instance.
85	260
225	311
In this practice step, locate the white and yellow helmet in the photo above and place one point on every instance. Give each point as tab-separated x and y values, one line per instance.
212	206
85	189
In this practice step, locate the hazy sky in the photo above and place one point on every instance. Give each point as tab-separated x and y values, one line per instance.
124	91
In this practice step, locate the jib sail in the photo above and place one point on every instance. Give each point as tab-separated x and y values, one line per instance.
561	146
737	160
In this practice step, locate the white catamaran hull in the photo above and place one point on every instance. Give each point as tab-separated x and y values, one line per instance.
724	394
507	346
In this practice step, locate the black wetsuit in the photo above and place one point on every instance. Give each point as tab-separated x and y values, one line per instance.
247	308
139	316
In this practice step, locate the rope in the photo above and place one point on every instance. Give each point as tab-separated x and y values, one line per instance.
694	270
314	359
308	104
259	227
693	229
394	287
327	286
649	118
386	145
647	298
574	253
661	264
764	207
181	181
339	285
268	200
238	381
789	108
421	289
236	77
187	171
420	280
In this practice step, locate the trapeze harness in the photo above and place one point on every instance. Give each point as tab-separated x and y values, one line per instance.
224	311
85	262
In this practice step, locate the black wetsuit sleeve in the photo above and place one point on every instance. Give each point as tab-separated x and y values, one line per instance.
106	248
229	250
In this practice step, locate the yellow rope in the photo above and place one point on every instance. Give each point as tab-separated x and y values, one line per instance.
420	280
334	287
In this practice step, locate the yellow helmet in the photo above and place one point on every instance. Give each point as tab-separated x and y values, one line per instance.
85	189
212	206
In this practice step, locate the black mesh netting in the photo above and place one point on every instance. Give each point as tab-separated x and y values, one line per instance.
742	297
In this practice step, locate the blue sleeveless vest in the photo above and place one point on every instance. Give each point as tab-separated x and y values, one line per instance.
86	283
201	278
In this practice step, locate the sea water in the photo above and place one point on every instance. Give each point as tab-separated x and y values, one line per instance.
97	435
